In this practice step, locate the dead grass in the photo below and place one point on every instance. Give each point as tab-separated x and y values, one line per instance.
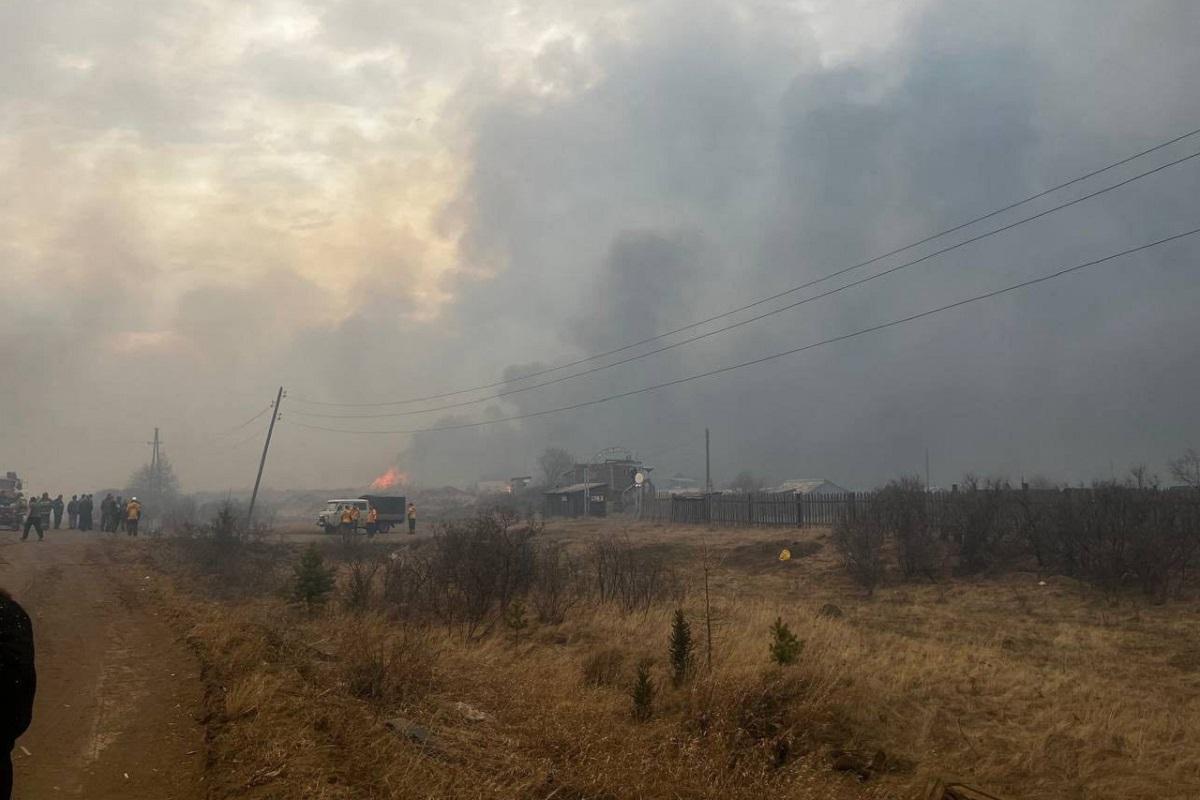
1032	691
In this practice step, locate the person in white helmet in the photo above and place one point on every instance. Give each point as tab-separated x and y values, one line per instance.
133	513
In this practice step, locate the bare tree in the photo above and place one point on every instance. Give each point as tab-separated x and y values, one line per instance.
554	461
1140	477
1186	468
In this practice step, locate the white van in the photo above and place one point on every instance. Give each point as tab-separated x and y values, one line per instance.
330	517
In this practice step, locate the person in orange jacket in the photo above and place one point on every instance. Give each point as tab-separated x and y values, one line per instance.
133	513
372	521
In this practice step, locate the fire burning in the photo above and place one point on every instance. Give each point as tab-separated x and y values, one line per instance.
390	479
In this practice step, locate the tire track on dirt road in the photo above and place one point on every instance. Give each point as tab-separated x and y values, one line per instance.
118	693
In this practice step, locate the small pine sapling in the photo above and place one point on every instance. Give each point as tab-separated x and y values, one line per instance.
681	649
314	581
516	620
642	693
785	647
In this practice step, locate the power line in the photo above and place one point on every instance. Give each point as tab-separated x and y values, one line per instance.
761	301
773	356
244	424
780	310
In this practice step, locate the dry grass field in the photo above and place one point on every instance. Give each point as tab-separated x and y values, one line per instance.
1024	687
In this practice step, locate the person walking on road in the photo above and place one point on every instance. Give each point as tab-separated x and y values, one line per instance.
133	513
57	507
73	512
33	519
412	517
18	683
46	509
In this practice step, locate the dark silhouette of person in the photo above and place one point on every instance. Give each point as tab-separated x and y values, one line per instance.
33	519
18	683
73	512
46	509
107	510
57	507
86	510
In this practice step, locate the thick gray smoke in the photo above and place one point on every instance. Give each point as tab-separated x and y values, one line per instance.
413	202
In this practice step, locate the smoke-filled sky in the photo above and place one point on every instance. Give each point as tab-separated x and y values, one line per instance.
365	201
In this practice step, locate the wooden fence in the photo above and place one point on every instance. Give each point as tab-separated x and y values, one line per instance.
943	509
754	508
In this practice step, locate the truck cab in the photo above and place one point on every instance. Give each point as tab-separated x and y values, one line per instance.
330	517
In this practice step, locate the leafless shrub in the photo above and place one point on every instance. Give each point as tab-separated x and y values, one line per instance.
386	664
630	577
556	584
360	583
904	511
230	556
405	582
1113	535
859	540
984	523
476	568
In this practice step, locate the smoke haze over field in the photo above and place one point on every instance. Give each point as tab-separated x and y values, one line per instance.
364	201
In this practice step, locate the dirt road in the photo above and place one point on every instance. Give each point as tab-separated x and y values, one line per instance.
118	692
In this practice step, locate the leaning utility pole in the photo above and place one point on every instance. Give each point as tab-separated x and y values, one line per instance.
263	461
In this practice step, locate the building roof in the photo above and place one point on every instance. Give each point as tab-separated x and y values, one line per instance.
808	486
575	487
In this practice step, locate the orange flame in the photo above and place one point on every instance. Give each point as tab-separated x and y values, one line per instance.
390	479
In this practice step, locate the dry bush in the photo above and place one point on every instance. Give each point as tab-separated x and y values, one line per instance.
903	507
359	589
230	559
604	667
557	584
386	664
985	524
405	583
630	577
476	568
859	540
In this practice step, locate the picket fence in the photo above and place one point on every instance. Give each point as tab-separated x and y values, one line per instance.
753	508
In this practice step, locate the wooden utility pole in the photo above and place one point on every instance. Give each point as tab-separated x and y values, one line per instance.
155	481
263	461
707	466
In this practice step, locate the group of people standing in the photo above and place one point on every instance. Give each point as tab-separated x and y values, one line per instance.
115	513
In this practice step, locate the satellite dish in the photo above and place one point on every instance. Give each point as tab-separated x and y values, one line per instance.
639	478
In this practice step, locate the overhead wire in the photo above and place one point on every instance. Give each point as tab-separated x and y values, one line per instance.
773	356
764	315
761	301
237	428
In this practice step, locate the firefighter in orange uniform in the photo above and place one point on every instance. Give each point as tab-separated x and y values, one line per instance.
133	513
